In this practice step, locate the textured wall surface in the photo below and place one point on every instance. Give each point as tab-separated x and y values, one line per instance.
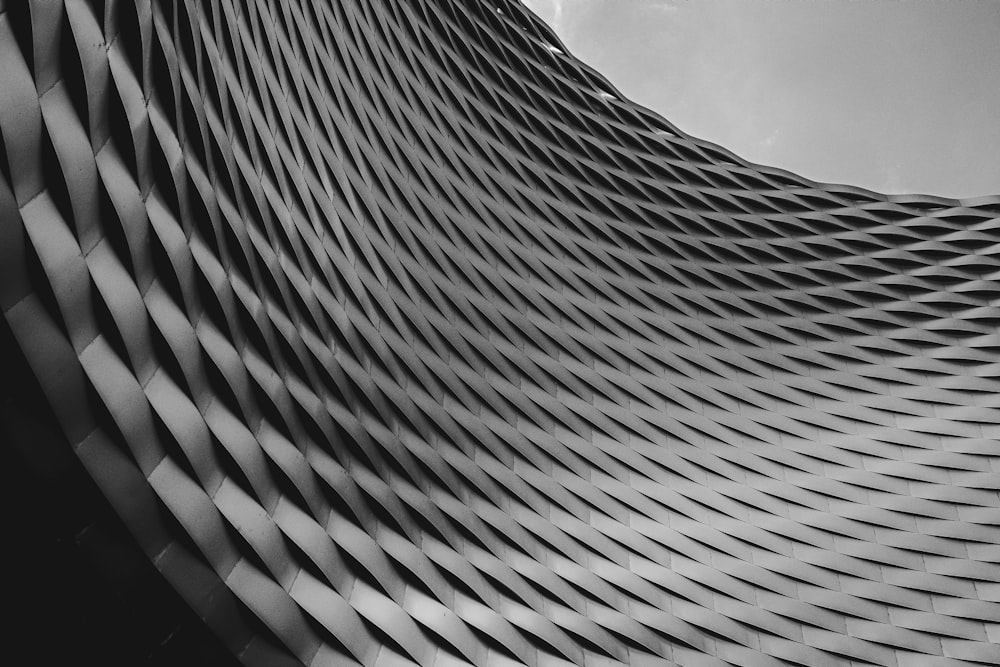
393	335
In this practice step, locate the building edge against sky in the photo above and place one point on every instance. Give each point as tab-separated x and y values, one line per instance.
391	332
837	91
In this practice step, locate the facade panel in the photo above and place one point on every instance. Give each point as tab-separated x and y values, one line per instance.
394	334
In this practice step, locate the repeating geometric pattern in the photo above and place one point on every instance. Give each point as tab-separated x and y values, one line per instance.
397	336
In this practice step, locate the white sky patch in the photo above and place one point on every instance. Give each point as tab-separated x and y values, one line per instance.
667	6
550	11
769	140
893	177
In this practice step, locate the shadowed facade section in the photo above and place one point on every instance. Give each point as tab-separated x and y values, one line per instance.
394	335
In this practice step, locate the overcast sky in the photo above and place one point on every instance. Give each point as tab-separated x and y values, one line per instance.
899	96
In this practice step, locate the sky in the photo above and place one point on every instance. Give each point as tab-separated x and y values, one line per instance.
898	96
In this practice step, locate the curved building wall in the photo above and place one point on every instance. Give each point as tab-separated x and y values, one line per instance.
394	335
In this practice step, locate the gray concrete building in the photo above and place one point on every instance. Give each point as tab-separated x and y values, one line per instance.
386	332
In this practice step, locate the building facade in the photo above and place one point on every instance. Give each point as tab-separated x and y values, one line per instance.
391	333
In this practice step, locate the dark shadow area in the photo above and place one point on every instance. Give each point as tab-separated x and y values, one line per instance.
79	588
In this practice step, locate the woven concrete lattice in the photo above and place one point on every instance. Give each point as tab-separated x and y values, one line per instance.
395	335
